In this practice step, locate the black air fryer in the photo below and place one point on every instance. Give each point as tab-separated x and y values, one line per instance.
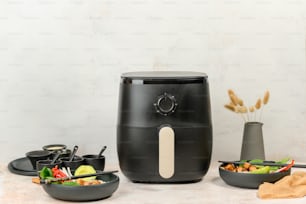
164	132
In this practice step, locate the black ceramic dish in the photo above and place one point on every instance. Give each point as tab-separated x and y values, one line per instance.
63	153
74	164
84	193
98	162
249	180
37	155
54	147
47	163
22	166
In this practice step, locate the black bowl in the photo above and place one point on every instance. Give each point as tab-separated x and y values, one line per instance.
54	147
97	162
84	193
74	164
63	153
37	155
249	180
40	164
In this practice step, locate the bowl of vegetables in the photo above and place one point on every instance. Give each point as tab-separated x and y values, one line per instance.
252	173
83	184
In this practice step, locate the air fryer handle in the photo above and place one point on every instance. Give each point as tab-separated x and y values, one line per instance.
166	152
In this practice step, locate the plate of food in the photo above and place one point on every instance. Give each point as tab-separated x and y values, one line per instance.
84	184
252	173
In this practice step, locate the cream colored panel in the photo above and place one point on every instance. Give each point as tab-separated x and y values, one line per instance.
166	152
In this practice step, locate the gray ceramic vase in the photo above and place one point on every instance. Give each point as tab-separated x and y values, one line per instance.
252	142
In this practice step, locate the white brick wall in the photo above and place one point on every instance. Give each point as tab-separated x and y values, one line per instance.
60	65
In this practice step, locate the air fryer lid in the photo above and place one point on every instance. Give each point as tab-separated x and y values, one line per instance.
163	77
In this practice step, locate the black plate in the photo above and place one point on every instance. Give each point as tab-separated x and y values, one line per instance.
22	166
84	193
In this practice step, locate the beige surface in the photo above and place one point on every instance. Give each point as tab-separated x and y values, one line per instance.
19	189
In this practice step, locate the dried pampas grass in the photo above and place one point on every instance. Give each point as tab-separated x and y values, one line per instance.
240	102
237	105
266	98
230	107
258	104
234	99
230	92
251	109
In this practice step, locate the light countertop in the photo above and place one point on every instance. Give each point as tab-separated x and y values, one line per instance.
19	189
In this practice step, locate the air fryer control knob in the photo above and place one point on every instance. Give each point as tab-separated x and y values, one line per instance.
165	104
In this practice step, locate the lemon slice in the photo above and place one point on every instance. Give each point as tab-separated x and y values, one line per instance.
85	169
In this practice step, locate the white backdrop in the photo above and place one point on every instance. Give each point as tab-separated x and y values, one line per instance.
61	61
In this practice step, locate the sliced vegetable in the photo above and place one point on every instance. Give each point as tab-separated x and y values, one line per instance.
263	170
285	168
283	161
257	161
57	173
85	169
70	183
45	173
